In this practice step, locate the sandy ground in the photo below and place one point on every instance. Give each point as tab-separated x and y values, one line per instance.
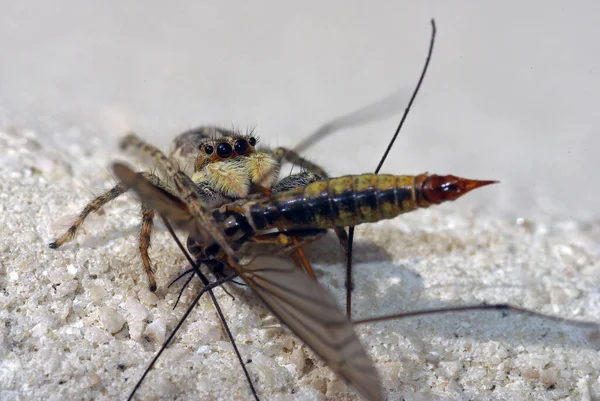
511	95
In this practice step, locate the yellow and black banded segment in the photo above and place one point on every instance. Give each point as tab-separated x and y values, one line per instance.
354	200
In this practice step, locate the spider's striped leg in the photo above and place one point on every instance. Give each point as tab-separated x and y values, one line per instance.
145	235
291	156
92	206
147	222
159	159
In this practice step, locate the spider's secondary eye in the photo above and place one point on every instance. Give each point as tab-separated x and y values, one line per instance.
252	141
224	150
241	146
209	149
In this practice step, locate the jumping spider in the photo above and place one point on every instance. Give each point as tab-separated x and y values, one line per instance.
223	166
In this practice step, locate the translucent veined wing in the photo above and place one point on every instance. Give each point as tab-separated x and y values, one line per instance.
313	315
385	107
297	300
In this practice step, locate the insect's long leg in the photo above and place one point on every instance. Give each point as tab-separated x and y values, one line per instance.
342	235
189	272
293	241
300	257
483	307
348	278
292	246
176	329
206	284
297	300
387	151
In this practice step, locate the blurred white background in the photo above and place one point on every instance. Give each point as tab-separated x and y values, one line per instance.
512	92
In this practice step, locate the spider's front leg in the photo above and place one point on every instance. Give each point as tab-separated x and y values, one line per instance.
92	206
145	233
159	159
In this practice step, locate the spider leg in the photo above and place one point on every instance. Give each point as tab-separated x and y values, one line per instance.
92	206
147	222
145	234
289	155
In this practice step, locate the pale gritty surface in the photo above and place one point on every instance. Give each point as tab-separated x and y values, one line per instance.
79	322
512	95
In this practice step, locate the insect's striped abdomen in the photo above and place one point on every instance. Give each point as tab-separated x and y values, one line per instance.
354	200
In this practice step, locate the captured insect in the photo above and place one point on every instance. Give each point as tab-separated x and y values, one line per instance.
311	314
320	206
299	302
224	165
222	171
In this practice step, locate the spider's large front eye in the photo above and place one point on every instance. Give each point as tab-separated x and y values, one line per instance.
209	149
241	147
224	150
252	141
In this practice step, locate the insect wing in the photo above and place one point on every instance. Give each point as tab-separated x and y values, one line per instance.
385	107
297	300
165	203
313	315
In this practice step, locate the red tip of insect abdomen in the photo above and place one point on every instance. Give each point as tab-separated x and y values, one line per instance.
441	188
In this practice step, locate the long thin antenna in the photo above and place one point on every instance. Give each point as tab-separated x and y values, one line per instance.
349	285
413	97
214	300
176	329
483	307
207	287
